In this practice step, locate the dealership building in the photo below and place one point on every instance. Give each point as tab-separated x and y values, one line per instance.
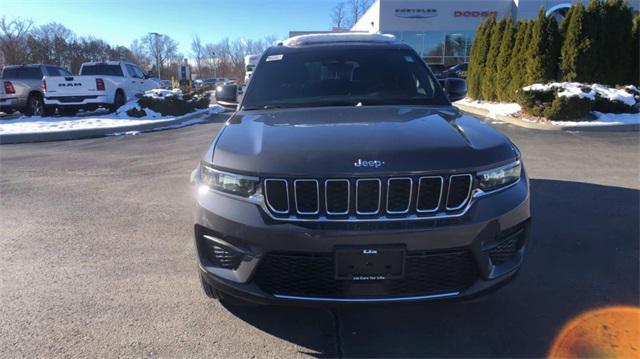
442	31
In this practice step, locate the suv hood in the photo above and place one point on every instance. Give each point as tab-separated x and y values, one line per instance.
329	141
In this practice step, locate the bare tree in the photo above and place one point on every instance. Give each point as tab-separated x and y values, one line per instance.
139	54
49	43
339	15
198	50
161	48
357	8
13	39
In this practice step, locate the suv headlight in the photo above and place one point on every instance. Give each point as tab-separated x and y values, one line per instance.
238	185
495	178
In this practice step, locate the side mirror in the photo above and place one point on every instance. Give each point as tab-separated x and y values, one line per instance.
227	95
456	89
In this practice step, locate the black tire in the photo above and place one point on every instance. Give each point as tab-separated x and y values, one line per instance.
118	101
35	106
71	111
49	110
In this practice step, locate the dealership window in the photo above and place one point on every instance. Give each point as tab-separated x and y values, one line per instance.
414	39
433	47
437	47
457	47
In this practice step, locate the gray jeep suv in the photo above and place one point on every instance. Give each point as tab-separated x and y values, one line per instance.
346	175
22	88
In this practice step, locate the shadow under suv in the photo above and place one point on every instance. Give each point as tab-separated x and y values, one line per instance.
346	175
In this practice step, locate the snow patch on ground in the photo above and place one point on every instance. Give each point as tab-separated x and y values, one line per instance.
119	119
494	108
572	89
604	119
510	109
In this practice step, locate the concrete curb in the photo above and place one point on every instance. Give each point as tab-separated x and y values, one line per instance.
101	132
547	127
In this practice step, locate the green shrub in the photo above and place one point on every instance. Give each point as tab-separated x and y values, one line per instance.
175	105
603	104
535	102
136	112
172	105
202	102
569	109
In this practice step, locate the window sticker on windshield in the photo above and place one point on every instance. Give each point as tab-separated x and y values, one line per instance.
275	57
409	59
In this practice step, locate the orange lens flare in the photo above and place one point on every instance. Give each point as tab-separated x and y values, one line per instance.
611	332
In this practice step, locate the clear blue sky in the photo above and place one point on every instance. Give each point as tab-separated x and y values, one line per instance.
120	22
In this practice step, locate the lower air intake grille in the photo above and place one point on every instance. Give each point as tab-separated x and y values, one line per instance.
314	275
508	245
222	257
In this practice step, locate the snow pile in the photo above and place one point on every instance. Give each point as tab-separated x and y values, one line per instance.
337	37
604	119
163	93
495	109
100	120
121	112
572	89
511	109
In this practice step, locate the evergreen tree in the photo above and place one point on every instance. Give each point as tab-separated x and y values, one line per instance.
595	70
564	25
552	50
634	74
478	58
535	68
518	57
473	83
488	87
618	53
503	77
576	47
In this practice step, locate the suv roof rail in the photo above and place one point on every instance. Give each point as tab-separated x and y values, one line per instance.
341	37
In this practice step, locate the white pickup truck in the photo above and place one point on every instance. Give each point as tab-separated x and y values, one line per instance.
100	84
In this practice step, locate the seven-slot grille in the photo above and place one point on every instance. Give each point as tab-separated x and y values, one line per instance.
342	198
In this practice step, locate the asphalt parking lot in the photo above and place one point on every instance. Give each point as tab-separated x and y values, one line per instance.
97	259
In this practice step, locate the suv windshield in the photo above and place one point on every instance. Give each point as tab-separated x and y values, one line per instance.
341	77
101	69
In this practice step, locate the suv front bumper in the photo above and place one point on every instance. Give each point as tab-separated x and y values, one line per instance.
492	235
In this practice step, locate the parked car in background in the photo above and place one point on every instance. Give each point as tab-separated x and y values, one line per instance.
22	88
440	71
166	84
458	71
250	62
214	81
100	84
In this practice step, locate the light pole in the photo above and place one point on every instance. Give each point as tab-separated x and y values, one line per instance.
215	66
156	51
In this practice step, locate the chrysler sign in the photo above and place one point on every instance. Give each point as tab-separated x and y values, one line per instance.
473	13
416	13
